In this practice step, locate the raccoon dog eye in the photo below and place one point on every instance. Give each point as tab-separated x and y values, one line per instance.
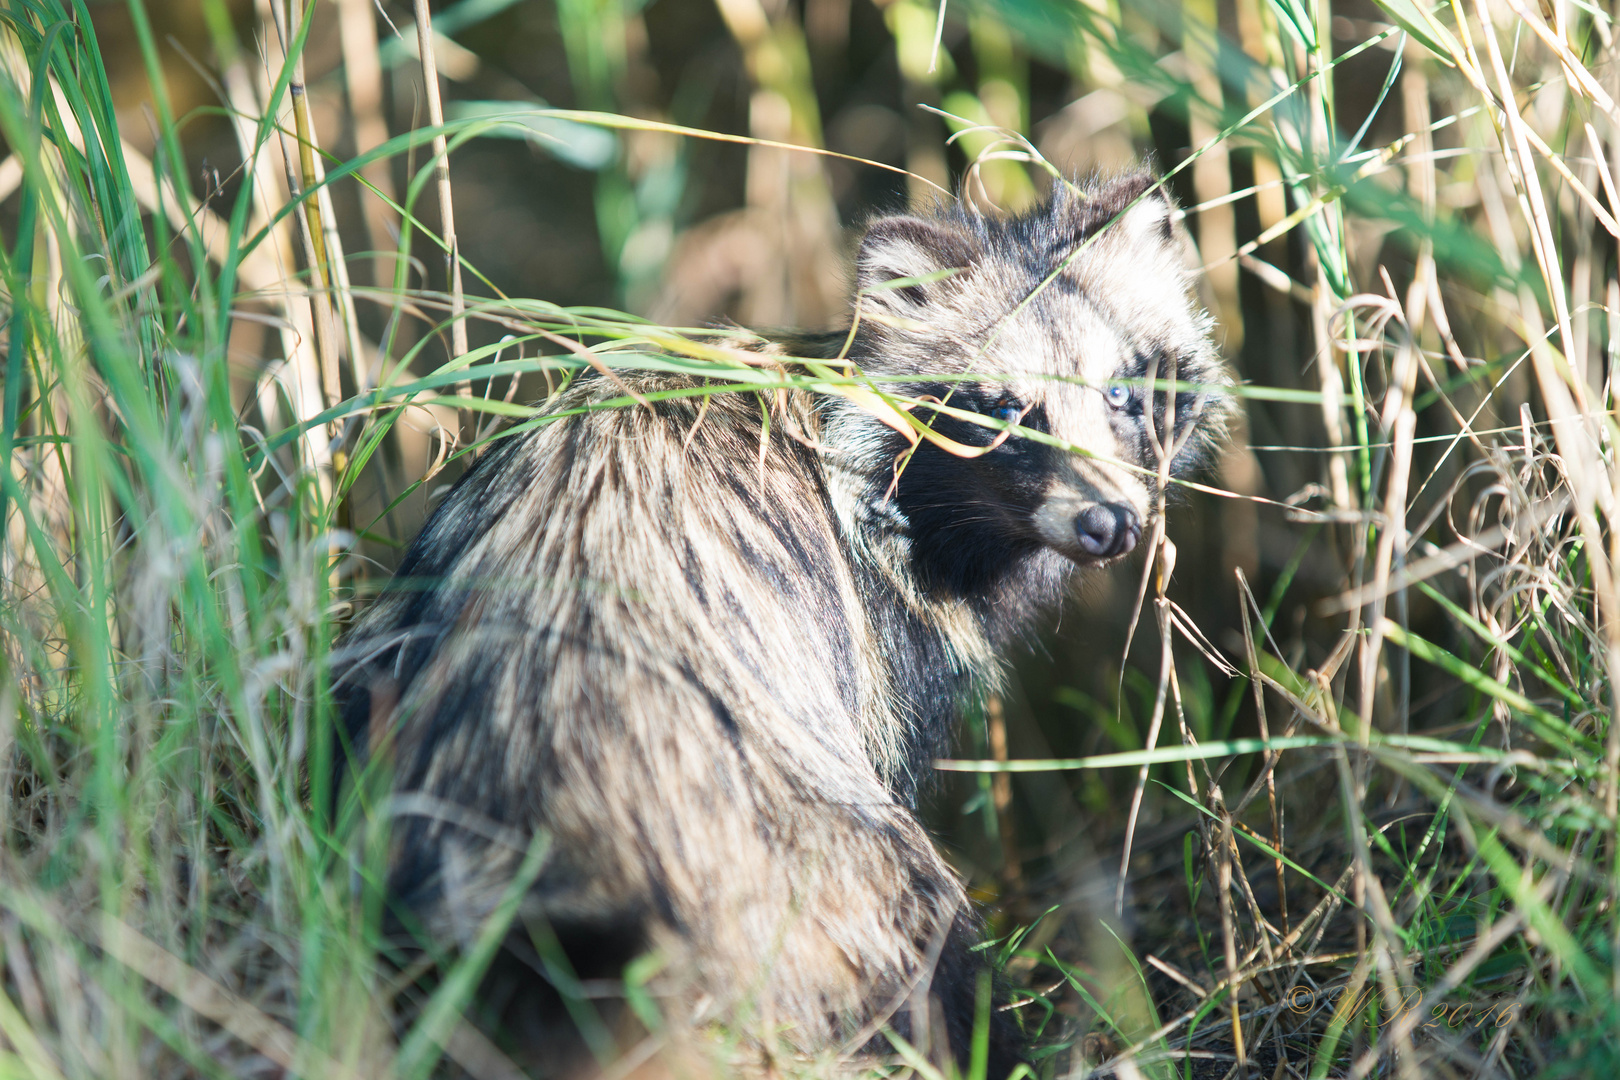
1006	413
1118	396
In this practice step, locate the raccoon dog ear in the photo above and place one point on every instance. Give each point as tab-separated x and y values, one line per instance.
1137	247
1148	222
1146	225
909	247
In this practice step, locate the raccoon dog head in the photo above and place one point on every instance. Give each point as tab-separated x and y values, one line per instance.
1061	320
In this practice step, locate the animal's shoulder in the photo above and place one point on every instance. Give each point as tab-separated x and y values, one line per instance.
676	423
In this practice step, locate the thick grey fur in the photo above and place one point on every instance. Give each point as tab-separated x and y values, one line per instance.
714	664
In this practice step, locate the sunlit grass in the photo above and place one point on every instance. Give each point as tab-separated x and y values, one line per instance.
1367	882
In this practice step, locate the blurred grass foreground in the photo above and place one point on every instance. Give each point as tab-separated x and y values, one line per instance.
1336	798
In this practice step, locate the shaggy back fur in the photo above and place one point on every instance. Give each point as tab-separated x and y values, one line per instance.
713	664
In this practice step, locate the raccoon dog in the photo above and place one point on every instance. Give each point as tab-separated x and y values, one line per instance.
711	656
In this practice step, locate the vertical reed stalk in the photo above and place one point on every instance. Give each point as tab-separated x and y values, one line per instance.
362	74
297	374
300	169
447	214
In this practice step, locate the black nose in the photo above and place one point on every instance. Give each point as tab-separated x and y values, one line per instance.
1107	529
